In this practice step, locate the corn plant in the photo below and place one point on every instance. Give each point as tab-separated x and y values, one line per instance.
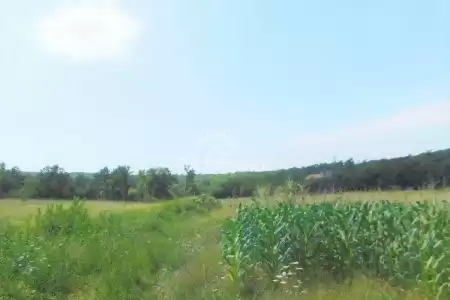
402	243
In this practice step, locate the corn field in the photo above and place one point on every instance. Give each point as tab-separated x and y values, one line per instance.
408	245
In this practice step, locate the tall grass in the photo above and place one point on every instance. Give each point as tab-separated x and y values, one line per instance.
65	253
292	246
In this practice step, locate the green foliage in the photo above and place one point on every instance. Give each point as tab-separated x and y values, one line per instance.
11	180
121	181
63	252
401	243
206	202
190	184
58	220
55	182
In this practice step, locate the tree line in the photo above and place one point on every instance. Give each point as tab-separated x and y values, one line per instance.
430	169
53	182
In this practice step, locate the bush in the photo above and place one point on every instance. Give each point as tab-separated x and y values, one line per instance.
57	220
206	202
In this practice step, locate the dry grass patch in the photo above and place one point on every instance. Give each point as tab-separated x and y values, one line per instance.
408	196
18	209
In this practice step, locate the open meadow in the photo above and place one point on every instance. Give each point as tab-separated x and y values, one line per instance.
15	209
408	196
336	246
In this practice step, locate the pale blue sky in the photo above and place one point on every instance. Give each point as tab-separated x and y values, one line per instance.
223	85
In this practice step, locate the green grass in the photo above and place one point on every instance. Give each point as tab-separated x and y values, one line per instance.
15	209
66	253
172	250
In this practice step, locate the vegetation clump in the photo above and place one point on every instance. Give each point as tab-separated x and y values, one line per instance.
64	251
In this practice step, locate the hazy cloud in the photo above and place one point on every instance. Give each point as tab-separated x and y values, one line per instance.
406	121
87	31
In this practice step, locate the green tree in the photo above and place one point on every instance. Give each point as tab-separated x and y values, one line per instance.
102	184
55	182
2	178
160	182
121	179
191	187
30	188
142	185
83	187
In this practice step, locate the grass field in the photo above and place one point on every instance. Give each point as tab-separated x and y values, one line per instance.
397	196
107	250
13	208
17	209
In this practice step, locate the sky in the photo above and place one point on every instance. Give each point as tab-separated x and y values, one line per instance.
223	85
